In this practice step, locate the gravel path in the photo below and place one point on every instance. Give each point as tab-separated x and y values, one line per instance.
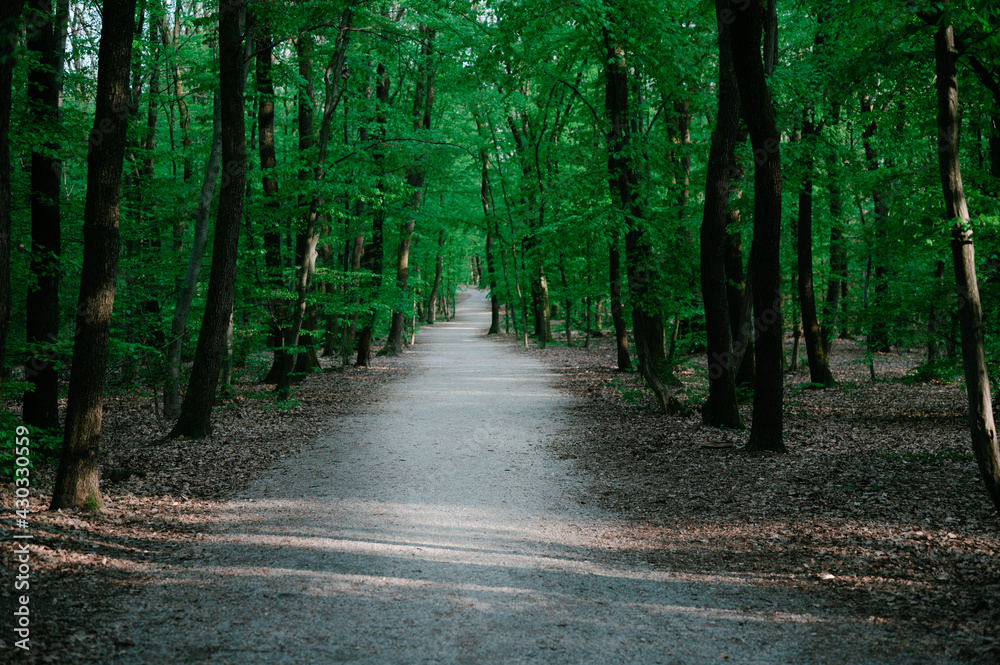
437	527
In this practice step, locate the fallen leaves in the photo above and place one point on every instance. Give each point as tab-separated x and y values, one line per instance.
878	507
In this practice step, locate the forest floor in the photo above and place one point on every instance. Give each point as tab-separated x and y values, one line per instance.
877	511
878	505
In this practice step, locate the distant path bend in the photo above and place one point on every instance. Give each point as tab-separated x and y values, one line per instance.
438	528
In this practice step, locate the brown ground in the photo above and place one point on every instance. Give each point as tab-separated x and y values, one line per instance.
878	506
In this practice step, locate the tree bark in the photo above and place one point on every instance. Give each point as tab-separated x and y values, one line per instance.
195	419
720	409
77	483
47	38
970	311
755	100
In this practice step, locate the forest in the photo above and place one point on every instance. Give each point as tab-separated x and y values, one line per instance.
191	185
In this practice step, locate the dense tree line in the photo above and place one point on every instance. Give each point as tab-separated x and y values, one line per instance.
697	178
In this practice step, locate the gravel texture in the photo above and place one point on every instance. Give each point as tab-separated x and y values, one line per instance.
438	526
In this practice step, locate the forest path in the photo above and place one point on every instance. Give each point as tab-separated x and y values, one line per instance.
437	527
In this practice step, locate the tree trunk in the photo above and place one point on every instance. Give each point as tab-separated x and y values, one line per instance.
178	325
755	100
816	352
77	483
195	419
970	311
720	409
47	38
10	17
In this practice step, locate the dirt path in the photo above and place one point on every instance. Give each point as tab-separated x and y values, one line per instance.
437	527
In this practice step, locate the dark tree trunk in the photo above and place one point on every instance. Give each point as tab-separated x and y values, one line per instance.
195	419
10	16
720	408
46	37
77	483
816	352
423	105
755	100
970	311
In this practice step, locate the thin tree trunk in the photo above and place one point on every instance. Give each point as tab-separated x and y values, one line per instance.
755	100
195	420
720	409
77	483
970	311
819	366
47	38
178	325
617	310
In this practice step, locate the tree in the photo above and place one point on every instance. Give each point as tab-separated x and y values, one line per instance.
970	311
195	420
758	112
720	408
77	482
816	349
46	38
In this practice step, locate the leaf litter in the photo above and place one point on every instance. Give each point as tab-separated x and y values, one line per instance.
878	507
